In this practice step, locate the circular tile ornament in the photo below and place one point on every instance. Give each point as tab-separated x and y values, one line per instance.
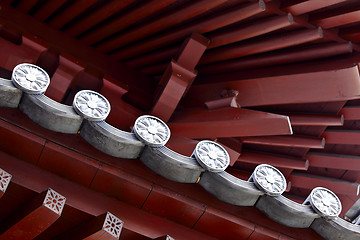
30	78
269	179
151	130
211	156
325	202
91	105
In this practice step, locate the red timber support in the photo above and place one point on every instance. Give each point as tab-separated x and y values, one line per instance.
38	216
316	120
338	18
178	77
275	160
262	45
286	141
228	122
342	84
96	60
301	7
103	227
350	137
334	161
277	58
5	179
308	181
351	112
202	26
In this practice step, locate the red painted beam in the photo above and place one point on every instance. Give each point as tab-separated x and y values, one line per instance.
228	122
263	45
25	6
34	220
276	160
26	24
341	84
337	20
277	58
5	179
342	137
286	141
167	21
302	7
307	181
251	30
203	26
316	120
97	16
178	77
351	112
334	161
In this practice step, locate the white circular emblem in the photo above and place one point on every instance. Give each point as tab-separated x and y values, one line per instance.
325	202
269	179
30	78
151	130
211	156
91	105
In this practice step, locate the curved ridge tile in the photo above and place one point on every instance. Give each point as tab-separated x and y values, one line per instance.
171	165
230	189
286	211
50	114
111	140
336	228
10	96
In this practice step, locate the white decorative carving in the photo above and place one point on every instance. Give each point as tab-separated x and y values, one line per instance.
30	78
4	180
91	105
324	202
151	130
211	156
54	201
269	179
113	225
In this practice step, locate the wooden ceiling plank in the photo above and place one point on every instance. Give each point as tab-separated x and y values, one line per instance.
278	58
341	84
351	137
316	120
162	23
35	218
308	181
97	16
276	160
286	141
263	45
129	18
94	59
228	122
202	26
26	5
335	161
76	8
309	6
